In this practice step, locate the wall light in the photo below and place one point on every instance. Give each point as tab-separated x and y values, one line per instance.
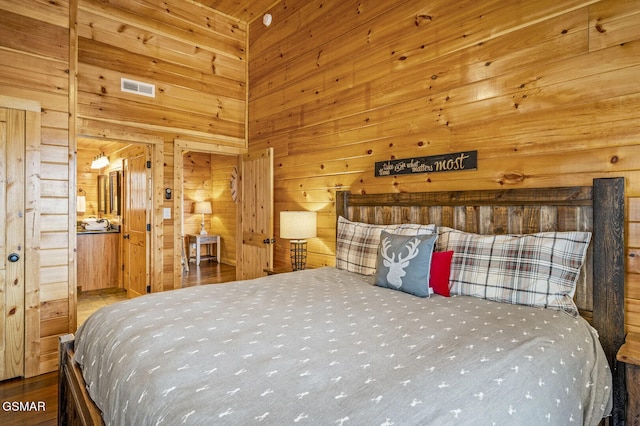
100	161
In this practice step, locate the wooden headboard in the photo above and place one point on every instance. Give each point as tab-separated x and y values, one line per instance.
598	209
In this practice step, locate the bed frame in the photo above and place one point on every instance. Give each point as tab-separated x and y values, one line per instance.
600	296
598	208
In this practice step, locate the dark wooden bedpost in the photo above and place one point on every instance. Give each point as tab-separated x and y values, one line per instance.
75	406
64	344
342	204
608	268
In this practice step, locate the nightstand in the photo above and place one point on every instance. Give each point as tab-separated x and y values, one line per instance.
199	240
629	354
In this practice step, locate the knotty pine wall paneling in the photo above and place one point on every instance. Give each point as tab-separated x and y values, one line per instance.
195	56
87	180
197	59
170	268
547	93
34	65
224	218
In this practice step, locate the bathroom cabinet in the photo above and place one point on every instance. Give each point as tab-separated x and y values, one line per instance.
99	263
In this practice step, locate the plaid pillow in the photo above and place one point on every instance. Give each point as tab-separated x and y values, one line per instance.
357	243
533	270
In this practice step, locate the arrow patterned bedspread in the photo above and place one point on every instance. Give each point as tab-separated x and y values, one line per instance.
325	347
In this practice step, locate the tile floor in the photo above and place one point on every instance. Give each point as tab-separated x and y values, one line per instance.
206	273
91	301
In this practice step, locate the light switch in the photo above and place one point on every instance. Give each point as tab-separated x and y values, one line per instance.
166	213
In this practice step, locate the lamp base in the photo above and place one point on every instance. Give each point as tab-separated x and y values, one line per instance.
202	230
298	253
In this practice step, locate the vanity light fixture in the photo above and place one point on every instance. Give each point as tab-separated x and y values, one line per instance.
100	161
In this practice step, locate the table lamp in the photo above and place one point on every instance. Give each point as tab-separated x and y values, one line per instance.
202	207
297	226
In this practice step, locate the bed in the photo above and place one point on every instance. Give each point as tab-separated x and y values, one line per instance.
327	346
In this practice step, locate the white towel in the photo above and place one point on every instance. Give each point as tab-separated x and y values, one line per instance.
81	204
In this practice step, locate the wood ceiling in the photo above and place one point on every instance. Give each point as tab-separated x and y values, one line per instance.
244	10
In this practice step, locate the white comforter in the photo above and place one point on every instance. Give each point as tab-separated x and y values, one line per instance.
325	347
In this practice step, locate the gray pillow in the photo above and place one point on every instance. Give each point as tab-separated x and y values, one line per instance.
404	262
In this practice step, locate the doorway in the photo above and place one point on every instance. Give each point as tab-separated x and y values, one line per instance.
112	200
205	183
226	178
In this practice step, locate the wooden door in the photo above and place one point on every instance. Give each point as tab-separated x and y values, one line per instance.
12	242
137	222
256	221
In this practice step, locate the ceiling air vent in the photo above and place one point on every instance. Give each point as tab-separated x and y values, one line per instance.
137	87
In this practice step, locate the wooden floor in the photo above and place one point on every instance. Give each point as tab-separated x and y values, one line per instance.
42	391
208	272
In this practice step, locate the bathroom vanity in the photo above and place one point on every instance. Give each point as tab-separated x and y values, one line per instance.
98	260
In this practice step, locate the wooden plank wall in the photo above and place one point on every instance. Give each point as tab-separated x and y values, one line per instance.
225	215
194	55
547	93
34	65
87	180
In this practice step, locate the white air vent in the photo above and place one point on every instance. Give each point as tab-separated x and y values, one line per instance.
137	87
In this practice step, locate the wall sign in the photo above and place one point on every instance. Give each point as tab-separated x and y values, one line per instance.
467	160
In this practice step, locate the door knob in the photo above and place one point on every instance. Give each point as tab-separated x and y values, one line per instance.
14	257
125	236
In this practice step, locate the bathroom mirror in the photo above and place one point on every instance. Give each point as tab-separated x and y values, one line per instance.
115	201
109	190
102	194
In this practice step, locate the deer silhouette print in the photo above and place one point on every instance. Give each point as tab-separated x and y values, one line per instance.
396	267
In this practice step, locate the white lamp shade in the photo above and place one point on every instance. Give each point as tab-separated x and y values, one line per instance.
203	207
298	225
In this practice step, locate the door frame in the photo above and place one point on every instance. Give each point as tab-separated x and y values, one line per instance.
180	147
157	194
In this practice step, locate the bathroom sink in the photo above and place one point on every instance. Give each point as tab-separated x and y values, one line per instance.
98	230
96	225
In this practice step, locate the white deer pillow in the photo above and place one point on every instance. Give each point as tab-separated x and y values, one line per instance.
404	262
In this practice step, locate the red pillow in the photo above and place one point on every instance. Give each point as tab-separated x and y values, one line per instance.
439	274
